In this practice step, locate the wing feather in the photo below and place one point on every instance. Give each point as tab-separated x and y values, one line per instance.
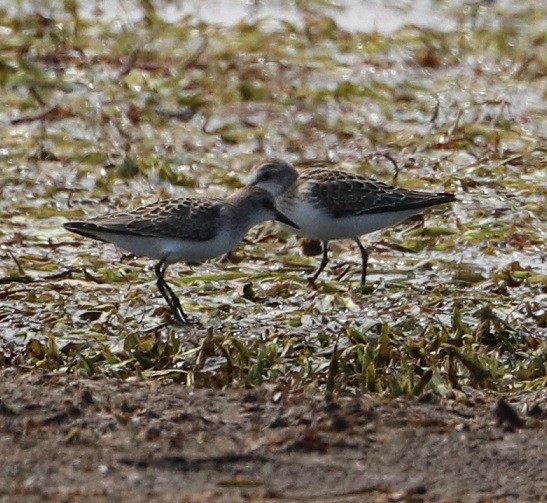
194	219
347	194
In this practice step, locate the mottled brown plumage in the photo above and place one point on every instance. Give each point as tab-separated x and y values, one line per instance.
344	194
177	218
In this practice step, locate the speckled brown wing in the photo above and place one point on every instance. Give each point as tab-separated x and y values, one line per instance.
347	194
194	219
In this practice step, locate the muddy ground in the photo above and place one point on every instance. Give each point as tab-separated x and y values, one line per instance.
65	438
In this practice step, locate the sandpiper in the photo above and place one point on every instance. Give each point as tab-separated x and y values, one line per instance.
328	204
191	229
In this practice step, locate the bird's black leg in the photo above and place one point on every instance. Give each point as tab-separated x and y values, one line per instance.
168	294
322	265
364	261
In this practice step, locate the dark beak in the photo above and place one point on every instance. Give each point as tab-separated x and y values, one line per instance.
285	220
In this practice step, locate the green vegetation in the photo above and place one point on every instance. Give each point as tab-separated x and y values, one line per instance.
99	116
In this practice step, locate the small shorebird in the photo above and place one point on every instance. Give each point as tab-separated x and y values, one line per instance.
329	204
191	229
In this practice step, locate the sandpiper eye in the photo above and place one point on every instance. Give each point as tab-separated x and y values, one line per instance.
267	202
266	176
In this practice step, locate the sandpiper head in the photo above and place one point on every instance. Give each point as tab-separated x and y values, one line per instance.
275	176
259	205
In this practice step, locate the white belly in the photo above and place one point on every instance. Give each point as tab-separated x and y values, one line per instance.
172	250
317	224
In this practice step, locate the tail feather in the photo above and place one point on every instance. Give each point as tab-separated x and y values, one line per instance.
86	229
421	201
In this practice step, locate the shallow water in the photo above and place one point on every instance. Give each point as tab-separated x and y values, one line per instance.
354	15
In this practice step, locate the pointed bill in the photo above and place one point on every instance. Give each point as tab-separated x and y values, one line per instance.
280	217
